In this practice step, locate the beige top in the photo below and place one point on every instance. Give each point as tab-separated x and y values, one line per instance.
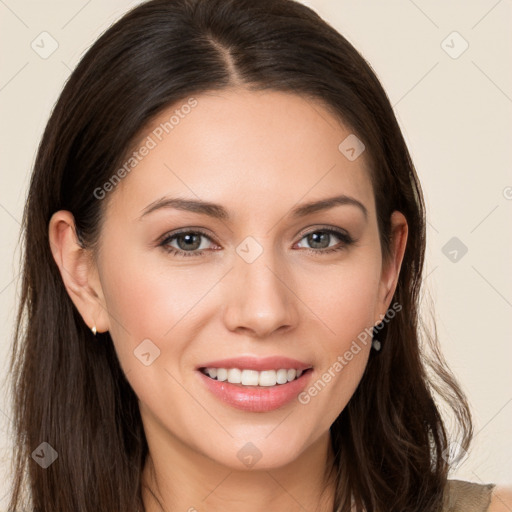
465	496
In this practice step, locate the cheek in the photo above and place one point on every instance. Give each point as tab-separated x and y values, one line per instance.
148	300
344	299
343	296
151	314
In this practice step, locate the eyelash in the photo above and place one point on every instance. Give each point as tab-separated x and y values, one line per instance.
345	238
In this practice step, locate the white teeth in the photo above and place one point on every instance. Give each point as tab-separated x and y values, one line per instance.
282	376
268	378
212	372
291	374
222	374
250	377
265	378
234	376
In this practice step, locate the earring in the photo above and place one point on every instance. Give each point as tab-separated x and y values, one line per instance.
93	329
376	344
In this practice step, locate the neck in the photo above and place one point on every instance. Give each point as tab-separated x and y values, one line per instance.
193	482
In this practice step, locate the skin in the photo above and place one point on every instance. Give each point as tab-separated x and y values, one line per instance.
501	499
259	154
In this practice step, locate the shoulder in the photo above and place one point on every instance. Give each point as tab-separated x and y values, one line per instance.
464	496
501	499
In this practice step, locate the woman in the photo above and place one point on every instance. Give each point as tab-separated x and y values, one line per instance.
226	247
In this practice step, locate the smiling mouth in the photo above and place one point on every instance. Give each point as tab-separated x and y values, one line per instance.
254	379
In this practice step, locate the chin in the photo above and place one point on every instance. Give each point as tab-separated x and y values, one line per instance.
260	451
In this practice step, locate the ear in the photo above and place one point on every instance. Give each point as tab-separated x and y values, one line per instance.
391	268
78	270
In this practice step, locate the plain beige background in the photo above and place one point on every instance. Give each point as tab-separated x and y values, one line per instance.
446	69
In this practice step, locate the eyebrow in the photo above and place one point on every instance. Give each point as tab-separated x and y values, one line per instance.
219	212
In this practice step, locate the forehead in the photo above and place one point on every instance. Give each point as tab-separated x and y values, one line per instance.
249	150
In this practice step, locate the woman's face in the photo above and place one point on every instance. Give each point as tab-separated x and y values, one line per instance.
261	280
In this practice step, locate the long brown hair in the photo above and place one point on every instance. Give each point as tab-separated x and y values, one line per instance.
68	389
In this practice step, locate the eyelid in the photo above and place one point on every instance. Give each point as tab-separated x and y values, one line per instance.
180	231
316	227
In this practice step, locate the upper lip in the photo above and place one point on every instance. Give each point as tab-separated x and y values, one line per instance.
256	363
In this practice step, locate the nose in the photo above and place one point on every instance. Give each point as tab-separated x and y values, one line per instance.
260	297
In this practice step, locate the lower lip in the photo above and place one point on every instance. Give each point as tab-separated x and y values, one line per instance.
256	398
